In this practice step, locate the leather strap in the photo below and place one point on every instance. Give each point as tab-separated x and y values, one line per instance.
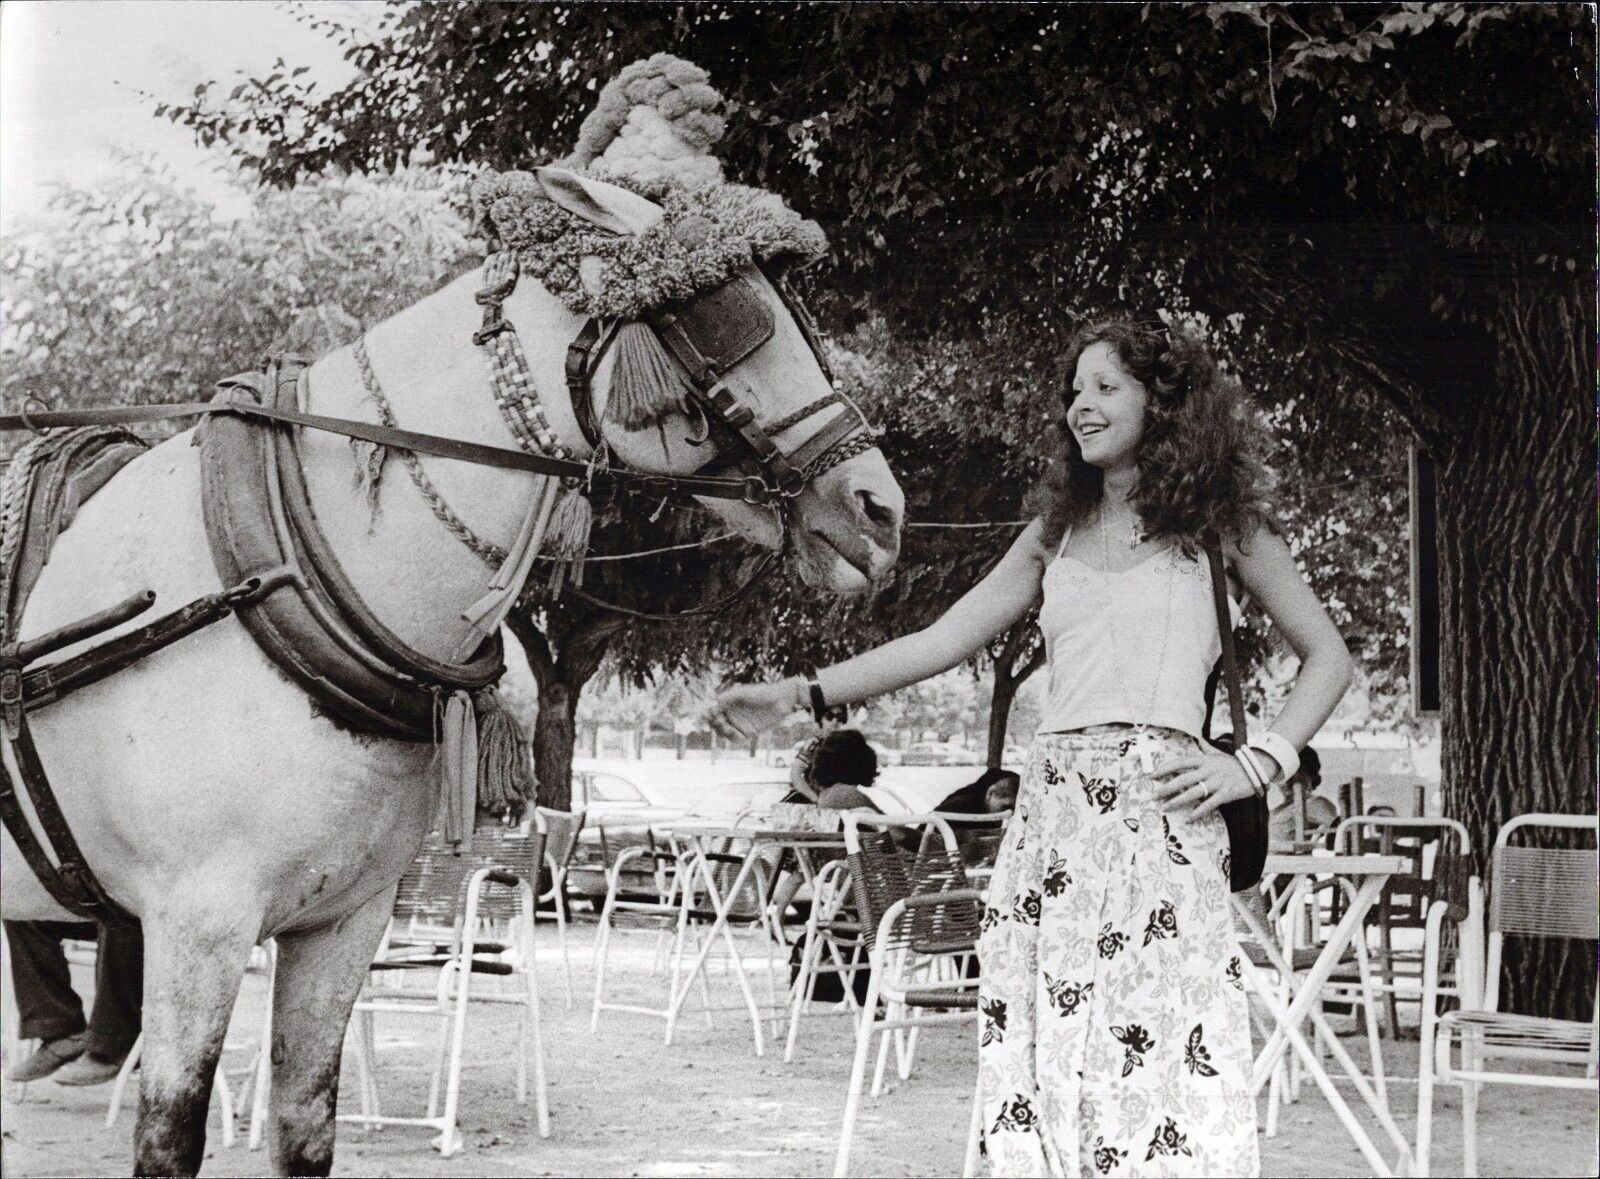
69	881
1230	654
583	354
748	490
726	412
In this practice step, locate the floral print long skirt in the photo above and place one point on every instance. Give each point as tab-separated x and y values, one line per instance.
1114	1035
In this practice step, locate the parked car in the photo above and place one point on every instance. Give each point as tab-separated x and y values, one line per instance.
622	812
617	816
939	753
886	756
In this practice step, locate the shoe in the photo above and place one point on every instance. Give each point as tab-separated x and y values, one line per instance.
48	1057
89	1069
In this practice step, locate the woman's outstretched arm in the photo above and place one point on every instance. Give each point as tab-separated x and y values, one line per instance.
1006	594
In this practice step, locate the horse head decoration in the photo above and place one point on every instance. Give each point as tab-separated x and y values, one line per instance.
693	352
241	782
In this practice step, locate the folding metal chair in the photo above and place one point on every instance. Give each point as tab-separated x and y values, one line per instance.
1543	892
1439	854
560	830
920	921
462	916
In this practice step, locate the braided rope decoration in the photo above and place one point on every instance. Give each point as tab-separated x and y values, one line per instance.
841	451
491	554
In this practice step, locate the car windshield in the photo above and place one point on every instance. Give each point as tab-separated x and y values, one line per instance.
611	788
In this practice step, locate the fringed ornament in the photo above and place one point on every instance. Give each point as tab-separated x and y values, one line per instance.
647	385
370	458
457	756
567	538
505	776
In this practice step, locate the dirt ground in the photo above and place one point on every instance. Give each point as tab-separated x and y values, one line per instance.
623	1103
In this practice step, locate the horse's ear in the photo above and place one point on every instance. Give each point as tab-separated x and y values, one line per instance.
603	205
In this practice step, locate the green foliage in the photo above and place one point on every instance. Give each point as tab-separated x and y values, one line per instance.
1323	186
138	291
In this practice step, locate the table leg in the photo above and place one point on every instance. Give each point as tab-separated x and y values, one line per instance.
1303	1006
720	926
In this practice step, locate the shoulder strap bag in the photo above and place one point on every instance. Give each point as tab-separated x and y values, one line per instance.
1247	817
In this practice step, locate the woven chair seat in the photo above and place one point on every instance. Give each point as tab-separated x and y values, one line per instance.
1503	1030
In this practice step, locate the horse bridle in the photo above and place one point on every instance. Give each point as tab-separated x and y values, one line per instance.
708	336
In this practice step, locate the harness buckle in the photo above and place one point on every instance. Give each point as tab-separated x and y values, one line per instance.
791	481
489	331
756	492
10	700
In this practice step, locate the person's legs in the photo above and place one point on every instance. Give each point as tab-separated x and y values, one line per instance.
48	1010
118	992
47	1006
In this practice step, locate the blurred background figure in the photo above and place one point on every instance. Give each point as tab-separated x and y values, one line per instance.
73	1050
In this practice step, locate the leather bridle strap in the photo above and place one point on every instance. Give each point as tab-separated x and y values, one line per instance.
750	490
724	408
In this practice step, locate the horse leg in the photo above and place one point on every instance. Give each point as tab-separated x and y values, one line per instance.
193	963
320	972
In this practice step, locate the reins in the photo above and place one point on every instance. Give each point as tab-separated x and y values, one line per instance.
750	489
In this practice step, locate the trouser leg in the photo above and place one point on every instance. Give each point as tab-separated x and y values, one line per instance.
47	1006
114	1020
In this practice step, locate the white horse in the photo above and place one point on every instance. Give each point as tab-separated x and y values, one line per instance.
216	803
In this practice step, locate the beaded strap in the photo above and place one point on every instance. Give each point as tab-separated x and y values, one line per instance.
509	373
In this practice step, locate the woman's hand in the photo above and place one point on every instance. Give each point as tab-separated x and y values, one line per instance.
748	709
1199	783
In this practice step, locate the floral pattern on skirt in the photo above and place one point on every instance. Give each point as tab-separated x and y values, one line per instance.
1114	1035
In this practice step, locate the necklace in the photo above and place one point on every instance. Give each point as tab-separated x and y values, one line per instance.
1143	742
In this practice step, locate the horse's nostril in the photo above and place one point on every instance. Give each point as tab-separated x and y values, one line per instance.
880	514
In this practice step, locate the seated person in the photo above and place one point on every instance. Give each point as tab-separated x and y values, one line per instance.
801	787
72	1050
844	763
994	793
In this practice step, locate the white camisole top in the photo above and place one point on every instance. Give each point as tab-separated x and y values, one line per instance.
1097	624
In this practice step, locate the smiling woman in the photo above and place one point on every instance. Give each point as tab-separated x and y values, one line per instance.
1090	1060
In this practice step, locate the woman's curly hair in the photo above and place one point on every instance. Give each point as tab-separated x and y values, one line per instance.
1201	458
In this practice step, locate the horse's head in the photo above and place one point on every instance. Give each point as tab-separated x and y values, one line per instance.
678	292
693	357
845	510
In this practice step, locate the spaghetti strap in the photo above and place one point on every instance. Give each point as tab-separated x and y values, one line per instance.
1061	549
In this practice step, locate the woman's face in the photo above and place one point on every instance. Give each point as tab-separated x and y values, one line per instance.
1106	413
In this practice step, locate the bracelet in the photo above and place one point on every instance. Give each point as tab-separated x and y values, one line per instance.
1251	770
1280	749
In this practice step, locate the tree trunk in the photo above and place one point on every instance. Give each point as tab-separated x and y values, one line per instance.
562	662
553	737
1020	655
1516	552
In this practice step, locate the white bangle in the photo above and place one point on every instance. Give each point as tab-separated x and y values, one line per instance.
1280	749
1251	770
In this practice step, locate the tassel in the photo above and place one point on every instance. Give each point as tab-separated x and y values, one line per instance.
370	458
505	775
568	538
458	766
570	524
646	383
